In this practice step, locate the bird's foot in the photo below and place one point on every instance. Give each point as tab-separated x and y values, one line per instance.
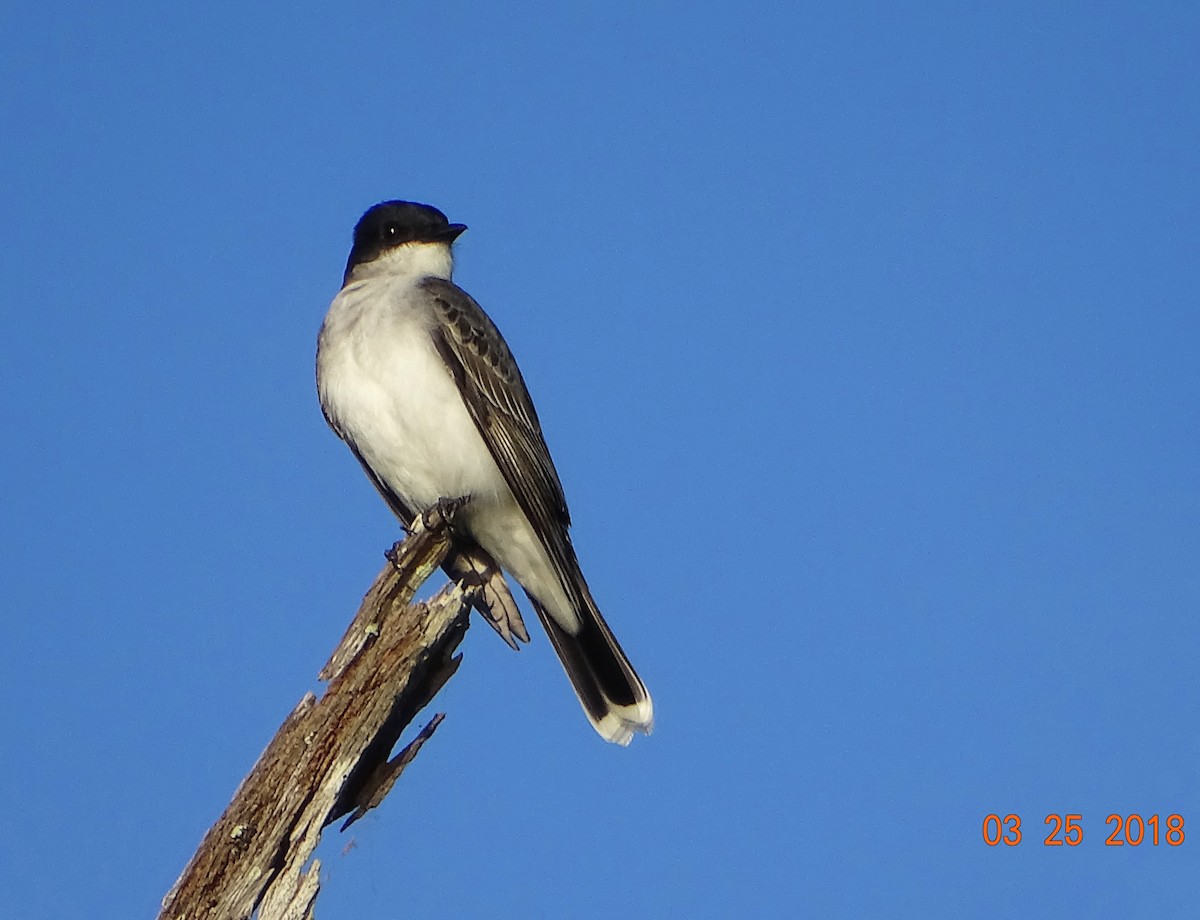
442	512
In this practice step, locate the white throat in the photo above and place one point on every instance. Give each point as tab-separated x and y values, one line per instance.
414	260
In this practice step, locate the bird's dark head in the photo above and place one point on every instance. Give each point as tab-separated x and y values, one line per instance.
395	223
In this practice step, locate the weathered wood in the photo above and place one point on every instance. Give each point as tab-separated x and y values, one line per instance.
330	756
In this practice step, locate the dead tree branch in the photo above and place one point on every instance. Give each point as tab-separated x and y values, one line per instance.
330	757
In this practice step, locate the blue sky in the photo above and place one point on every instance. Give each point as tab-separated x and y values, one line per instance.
864	337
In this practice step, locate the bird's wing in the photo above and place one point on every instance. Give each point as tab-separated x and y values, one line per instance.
496	397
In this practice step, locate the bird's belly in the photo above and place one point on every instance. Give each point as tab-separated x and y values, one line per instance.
394	400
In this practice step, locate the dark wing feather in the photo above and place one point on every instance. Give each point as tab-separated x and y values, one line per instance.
498	401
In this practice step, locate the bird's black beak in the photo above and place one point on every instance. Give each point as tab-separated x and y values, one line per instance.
452	232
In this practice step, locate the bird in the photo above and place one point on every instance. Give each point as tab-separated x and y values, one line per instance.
417	380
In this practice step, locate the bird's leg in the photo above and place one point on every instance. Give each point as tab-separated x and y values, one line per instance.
476	573
443	512
437	519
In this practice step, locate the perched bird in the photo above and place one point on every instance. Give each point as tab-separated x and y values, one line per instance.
417	380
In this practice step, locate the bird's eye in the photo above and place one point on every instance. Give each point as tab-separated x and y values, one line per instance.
391	231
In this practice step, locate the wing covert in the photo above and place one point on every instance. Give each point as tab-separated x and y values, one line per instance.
497	399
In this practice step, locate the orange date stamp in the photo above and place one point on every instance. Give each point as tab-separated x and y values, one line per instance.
1067	830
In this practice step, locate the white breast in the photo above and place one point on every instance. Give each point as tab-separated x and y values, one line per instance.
387	391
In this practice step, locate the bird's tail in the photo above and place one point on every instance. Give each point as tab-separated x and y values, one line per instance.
612	695
487	591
